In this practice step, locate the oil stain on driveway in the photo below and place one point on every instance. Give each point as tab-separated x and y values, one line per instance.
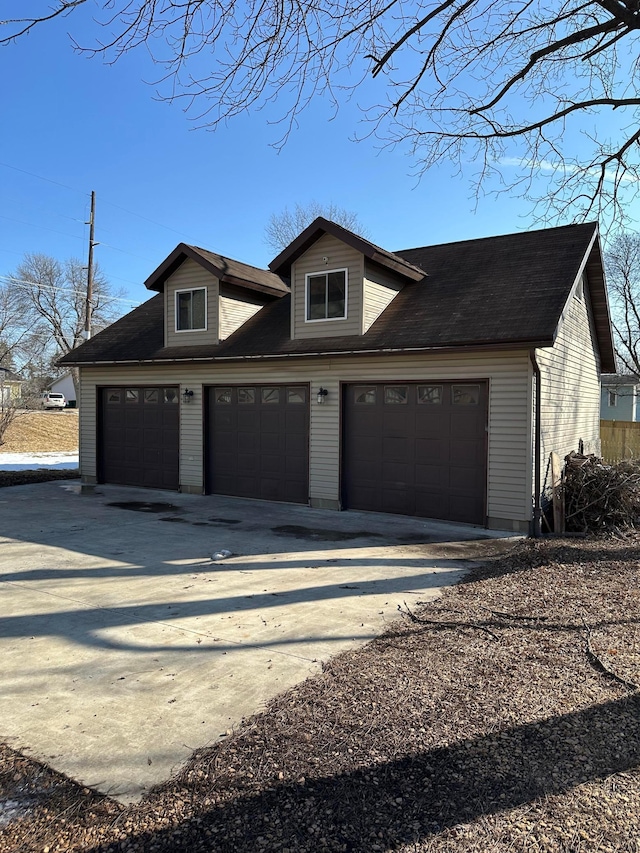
137	625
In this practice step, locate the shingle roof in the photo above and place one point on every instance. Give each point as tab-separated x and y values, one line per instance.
8	375
613	379
503	292
226	269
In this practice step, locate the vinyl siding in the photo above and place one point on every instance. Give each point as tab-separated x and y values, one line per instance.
570	377
233	313
509	439
340	256
380	286
626	406
191	275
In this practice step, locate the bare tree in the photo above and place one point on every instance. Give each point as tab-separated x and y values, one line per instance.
13	325
285	226
52	297
622	262
543	93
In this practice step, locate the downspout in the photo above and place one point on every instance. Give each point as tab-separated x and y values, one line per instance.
537	509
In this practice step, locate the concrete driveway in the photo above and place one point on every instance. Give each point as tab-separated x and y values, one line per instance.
125	646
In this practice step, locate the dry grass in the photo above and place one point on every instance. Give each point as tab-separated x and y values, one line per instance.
483	727
41	432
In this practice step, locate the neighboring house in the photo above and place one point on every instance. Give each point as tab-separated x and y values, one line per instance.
64	385
619	398
10	386
350	377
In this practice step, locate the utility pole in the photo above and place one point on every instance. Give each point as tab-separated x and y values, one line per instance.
88	305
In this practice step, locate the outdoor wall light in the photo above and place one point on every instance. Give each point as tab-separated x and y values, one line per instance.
322	393
187	395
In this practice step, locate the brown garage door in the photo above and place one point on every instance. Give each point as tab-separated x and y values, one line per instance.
416	449
258	442
139	436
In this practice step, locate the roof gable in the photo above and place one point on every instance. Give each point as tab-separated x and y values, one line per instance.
320	226
225	269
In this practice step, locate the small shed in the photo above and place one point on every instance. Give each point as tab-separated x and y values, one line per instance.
65	385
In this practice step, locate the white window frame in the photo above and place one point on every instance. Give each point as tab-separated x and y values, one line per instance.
176	310
309	275
612	398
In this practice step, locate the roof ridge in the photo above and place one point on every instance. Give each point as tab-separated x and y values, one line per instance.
512	234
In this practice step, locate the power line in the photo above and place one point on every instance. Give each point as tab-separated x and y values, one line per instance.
44	227
146	218
125	252
102	201
40	208
41	178
28	285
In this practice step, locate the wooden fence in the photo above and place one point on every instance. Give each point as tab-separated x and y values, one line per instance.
620	440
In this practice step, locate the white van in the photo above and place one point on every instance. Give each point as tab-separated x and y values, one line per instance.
50	400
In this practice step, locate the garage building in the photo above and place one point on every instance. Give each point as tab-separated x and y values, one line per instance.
431	382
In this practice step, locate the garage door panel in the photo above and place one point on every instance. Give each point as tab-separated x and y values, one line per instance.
464	480
431	450
397	501
431	424
467	452
246	463
417	450
366	448
226	419
270	443
362	496
397	474
295	468
138	437
270	449
395	423
296	444
295	419
245	417
466	428
227	443
270	463
395	447
432	504
271	419
432	476
270	489
247	442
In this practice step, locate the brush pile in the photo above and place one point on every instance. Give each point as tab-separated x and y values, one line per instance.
599	497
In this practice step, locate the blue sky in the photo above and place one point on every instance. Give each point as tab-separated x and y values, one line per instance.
83	125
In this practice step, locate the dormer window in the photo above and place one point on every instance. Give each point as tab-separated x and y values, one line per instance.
326	295
191	310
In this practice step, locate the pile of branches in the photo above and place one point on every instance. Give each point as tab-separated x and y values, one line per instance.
600	497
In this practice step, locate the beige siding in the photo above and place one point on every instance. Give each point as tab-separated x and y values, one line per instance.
233	313
191	275
380	287
88	427
509	438
338	256
570	384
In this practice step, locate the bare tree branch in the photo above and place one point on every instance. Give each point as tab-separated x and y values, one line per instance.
450	80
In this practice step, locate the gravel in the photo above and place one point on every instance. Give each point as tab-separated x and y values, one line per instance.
477	723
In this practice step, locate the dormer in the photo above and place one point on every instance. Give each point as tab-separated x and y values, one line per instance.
207	296
340	283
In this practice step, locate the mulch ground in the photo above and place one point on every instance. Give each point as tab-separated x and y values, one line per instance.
501	717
